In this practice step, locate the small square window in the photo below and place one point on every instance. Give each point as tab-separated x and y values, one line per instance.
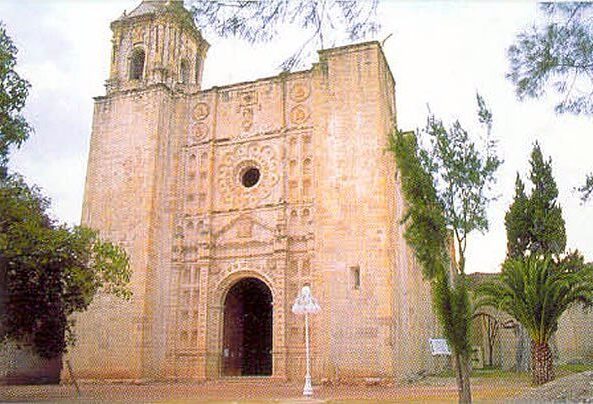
355	277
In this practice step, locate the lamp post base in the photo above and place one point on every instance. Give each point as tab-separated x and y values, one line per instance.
308	389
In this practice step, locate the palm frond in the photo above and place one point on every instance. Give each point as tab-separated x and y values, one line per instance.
535	292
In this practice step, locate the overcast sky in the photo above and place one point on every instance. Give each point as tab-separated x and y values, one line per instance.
440	53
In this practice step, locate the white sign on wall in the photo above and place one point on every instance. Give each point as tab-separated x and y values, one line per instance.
439	346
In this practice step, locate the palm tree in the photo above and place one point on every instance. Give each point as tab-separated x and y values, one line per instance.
536	292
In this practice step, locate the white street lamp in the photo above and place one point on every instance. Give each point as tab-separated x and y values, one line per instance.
306	304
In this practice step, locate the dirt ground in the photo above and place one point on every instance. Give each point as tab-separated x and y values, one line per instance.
435	389
577	387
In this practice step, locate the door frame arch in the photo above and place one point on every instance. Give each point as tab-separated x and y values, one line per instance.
260	365
216	316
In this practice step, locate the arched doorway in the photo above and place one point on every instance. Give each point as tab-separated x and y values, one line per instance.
247	332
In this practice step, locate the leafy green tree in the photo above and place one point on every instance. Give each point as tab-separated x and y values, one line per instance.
548	230
518	222
557	56
14	129
534	223
586	189
323	21
464	174
48	271
536	293
447	185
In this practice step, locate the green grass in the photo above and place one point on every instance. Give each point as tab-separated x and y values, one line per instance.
492	372
487	373
498	373
574	368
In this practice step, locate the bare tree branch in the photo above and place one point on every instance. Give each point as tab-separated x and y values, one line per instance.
329	21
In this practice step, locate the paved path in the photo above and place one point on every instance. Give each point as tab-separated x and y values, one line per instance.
432	389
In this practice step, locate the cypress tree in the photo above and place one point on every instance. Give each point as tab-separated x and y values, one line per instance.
548	231
517	222
534	223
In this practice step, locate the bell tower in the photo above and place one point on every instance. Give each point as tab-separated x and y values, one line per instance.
156	43
139	126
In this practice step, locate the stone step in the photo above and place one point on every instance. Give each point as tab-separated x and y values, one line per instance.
251	380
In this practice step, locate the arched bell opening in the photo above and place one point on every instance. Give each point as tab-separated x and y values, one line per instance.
137	64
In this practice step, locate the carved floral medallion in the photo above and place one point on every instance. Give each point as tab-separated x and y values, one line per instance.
299	114
299	92
201	111
235	162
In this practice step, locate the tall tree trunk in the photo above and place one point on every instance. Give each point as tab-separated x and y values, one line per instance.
3	292
542	364
462	372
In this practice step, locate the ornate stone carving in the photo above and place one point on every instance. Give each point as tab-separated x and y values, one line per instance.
244	228
232	271
299	92
201	111
247	121
299	114
246	265
199	131
137	35
234	163
247	98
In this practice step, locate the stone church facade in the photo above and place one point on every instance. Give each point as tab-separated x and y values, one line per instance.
230	199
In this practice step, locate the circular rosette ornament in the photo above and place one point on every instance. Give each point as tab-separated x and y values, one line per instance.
248	175
299	114
201	111
299	92
198	132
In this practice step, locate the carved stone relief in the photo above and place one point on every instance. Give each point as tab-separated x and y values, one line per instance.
248	98
198	129
247	121
137	35
246	106
235	162
299	91
187	303
299	114
201	111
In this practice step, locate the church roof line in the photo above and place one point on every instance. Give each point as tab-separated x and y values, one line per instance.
223	87
278	77
262	79
346	48
329	51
